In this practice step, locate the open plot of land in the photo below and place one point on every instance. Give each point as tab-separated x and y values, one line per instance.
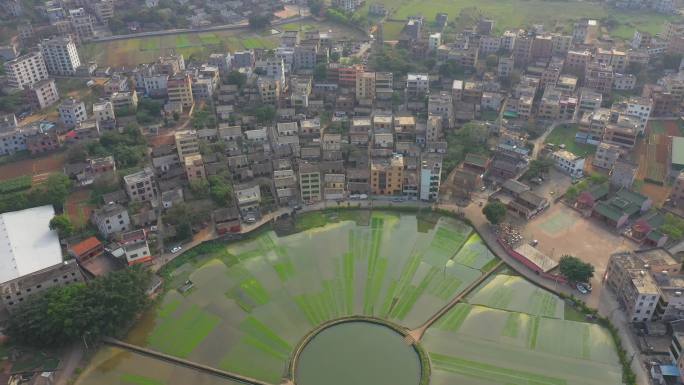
565	134
134	51
652	155
512	14
33	166
78	208
514	293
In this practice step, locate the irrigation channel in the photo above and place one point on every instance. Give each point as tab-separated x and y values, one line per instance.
413	337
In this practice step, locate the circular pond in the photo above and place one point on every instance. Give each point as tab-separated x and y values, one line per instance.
358	352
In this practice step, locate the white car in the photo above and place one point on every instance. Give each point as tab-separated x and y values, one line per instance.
176	249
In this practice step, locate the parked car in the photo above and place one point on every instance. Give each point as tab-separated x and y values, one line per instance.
250	219
176	249
582	288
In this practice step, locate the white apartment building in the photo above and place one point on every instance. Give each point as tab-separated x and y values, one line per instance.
110	219
641	108
140	186
434	41
103	112
430	174
26	70
71	112
417	85
568	162
60	55
43	94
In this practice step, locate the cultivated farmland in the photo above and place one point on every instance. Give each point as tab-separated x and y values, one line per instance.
512	14
253	301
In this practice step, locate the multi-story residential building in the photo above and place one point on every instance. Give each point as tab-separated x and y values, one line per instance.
508	40
560	44
155	84
434	41
272	67
623	131
441	104
677	193
606	155
549	106
140	186
590	100
103	111
71	112
417	85
187	143
430	175
634	278
135	247
522	51
110	219
505	67
624	82
243	59
81	23
26	70
599	77
305	56
310	182
269	90
638	107
60	55
365	87
334	186
489	45
569	163
194	168
387	176
359	132
623	174
542	47
179	90
384	85
43	94
576	62
125	100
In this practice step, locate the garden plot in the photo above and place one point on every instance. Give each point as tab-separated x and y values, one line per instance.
475	254
248	317
514	293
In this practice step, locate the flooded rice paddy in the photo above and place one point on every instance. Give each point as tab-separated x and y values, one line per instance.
253	301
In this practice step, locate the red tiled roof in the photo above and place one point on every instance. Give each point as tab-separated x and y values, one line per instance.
85	246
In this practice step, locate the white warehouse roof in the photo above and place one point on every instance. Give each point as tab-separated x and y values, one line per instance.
27	244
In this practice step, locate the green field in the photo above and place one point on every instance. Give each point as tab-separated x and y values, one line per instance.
254	300
565	134
134	51
513	14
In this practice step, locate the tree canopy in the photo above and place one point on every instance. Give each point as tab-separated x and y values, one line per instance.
575	270
495	212
64	314
62	224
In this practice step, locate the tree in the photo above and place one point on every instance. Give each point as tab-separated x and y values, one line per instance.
77	154
221	190
264	114
259	21
539	167
575	270
673	227
315	7
63	225
320	72
237	78
491	61
495	212
199	188
64	314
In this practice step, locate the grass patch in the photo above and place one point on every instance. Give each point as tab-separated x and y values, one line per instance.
565	134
